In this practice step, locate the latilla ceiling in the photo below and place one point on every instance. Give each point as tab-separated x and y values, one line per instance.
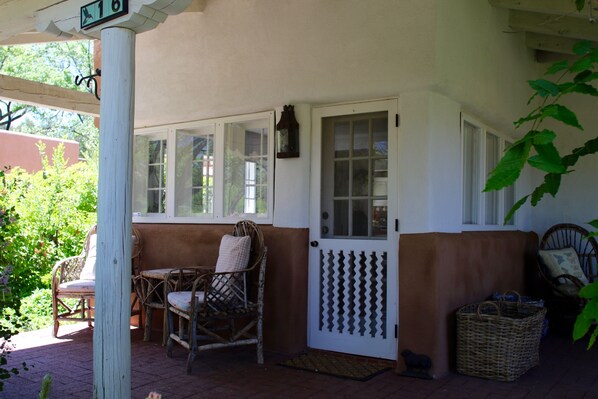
552	26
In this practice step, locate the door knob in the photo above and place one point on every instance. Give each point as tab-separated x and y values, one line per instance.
314	244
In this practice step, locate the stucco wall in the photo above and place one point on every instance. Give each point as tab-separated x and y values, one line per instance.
20	149
440	273
285	309
242	56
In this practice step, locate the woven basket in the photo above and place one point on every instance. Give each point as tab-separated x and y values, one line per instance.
498	340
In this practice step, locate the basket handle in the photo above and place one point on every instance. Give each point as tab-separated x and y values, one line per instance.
515	293
491	303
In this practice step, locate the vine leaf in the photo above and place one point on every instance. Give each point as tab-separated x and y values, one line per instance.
509	167
582	47
515	208
544	87
561	114
548	159
557	67
551	184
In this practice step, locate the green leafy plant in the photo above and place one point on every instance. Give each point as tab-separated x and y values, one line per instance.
46	384
537	148
7	219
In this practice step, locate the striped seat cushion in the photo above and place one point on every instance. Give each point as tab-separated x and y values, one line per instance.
76	286
182	299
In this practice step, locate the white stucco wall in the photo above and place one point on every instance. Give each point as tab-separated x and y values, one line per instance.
439	57
242	56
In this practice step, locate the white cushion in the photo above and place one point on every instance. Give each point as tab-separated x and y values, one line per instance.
77	286
89	268
233	254
563	261
182	299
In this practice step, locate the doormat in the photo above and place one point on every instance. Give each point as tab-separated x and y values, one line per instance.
341	366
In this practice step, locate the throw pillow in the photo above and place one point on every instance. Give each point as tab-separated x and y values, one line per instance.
89	268
563	261
233	254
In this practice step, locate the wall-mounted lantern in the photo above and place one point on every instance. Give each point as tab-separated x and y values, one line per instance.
287	134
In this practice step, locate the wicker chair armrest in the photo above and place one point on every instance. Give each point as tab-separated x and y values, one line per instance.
183	279
67	269
577	282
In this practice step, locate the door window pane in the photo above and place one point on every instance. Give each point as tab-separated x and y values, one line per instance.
360	218
341	139
379	218
341	178
361	177
379	136
361	138
341	218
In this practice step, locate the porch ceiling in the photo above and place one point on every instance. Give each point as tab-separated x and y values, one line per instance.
552	26
20	24
18	19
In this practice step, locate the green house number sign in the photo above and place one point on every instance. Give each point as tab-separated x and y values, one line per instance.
101	11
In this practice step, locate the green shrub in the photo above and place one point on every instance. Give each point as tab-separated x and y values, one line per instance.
36	310
54	209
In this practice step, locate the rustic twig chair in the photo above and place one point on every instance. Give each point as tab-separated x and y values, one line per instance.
567	262
73	278
228	307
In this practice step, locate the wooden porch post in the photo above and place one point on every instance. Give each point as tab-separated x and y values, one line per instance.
112	337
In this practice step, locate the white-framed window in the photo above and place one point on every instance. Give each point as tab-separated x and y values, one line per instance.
213	171
482	148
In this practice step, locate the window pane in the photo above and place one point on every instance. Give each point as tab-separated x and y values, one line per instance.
492	154
471	177
246	168
509	195
149	174
194	180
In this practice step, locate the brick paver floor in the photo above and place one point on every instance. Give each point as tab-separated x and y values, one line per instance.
566	371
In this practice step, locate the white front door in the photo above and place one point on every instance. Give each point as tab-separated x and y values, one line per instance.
353	261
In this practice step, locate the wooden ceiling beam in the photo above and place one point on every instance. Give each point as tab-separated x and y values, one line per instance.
561	26
555	44
39	94
554	7
18	16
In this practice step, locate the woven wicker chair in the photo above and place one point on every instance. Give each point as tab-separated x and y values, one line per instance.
561	289
74	278
228	305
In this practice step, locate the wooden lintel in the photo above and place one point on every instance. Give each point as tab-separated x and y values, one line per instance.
33	37
18	16
40	94
562	26
554	7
